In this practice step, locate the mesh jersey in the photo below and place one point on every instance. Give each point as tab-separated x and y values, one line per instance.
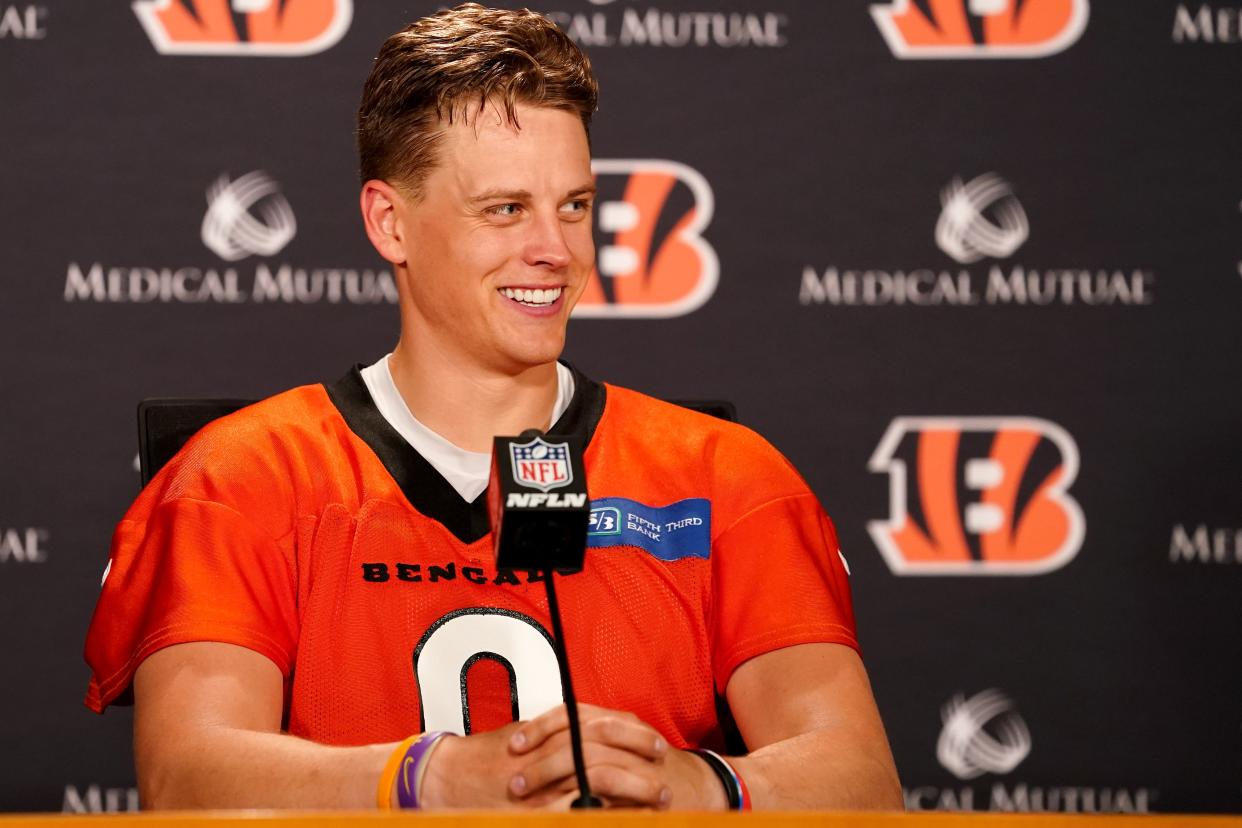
306	529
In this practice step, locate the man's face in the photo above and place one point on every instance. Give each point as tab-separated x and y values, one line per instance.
499	244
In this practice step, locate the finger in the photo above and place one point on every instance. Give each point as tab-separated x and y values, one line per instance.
529	735
632	786
630	734
563	802
613	727
556	767
532	734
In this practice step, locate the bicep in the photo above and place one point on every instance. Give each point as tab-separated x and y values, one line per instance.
799	689
204	684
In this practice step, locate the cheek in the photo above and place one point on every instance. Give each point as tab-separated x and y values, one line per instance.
581	243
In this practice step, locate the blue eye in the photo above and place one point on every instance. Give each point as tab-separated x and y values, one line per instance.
510	209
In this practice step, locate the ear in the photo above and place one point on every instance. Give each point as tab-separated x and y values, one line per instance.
381	216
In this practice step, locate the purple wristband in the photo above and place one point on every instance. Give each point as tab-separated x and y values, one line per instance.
412	766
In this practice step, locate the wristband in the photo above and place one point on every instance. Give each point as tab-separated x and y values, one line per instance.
735	788
409	762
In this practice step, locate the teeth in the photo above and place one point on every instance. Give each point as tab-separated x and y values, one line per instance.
536	297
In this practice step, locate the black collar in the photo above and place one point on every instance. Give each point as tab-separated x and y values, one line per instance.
422	485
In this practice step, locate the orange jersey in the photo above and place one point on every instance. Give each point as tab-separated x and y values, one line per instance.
306	529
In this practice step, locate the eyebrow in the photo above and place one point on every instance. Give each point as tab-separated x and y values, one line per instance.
524	195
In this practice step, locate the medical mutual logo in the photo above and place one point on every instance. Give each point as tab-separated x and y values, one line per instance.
97	799
627	25
268	28
980	222
977	496
26	21
25	545
983	740
247	217
918	29
967	232
651	257
967	748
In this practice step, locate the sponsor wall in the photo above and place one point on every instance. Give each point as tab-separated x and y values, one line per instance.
975	266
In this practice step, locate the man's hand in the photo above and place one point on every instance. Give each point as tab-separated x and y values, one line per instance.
628	763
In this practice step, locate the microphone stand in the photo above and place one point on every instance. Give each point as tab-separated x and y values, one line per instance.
585	798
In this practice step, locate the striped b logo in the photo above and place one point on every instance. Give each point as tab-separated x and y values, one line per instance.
271	28
977	496
651	259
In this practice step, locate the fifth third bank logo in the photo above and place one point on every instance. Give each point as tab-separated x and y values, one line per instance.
270	28
980	28
977	496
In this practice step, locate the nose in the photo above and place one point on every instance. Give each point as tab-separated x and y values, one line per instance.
546	246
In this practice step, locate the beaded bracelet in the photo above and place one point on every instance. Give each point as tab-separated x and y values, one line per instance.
409	760
735	788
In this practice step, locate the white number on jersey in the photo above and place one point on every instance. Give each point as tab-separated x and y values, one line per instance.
454	643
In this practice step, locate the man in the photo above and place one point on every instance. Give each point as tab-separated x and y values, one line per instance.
309	582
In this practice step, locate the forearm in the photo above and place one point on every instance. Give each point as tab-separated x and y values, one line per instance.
827	769
226	767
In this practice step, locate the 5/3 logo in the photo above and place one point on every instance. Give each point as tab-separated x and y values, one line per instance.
604	521
987	496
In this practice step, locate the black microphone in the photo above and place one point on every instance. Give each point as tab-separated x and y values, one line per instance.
537	500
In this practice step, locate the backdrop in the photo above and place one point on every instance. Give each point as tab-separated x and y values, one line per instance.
973	265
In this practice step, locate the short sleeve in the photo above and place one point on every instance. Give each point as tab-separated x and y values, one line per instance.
189	570
778	579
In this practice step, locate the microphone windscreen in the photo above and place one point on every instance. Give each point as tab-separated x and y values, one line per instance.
537	501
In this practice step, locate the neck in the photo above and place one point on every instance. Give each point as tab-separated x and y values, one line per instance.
467	404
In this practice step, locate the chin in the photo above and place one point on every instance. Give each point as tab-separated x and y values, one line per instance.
532	357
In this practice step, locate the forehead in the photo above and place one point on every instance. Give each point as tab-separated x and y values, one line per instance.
546	149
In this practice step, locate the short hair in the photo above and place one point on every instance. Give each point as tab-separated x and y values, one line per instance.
441	65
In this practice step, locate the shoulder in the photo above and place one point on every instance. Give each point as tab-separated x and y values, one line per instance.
258	455
732	464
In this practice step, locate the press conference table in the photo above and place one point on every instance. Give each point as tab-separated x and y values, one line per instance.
614	819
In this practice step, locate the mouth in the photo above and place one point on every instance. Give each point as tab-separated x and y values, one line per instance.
534	298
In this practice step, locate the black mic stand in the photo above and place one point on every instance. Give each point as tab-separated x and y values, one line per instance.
585	798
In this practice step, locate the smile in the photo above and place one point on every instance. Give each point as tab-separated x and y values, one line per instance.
539	298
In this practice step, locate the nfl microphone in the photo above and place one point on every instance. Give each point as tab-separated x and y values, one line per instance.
537	499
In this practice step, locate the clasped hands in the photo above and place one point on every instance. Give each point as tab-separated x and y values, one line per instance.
530	764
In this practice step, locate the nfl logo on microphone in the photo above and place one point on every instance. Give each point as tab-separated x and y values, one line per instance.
541	465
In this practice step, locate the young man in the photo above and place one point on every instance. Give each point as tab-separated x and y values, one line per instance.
310	581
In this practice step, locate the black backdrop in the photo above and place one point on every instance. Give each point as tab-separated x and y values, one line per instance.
1090	173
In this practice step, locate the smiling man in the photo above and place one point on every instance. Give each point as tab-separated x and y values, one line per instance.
303	603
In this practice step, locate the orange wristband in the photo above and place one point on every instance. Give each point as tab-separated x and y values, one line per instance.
383	793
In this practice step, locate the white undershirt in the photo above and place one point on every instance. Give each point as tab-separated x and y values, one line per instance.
466	471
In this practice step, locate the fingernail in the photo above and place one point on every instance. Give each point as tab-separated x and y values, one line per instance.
659	745
518	740
666	795
518	783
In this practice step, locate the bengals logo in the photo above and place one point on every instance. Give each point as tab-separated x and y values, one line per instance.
977	496
650	256
280	28
980	28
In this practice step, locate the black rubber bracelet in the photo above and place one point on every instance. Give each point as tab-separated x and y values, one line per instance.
732	791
